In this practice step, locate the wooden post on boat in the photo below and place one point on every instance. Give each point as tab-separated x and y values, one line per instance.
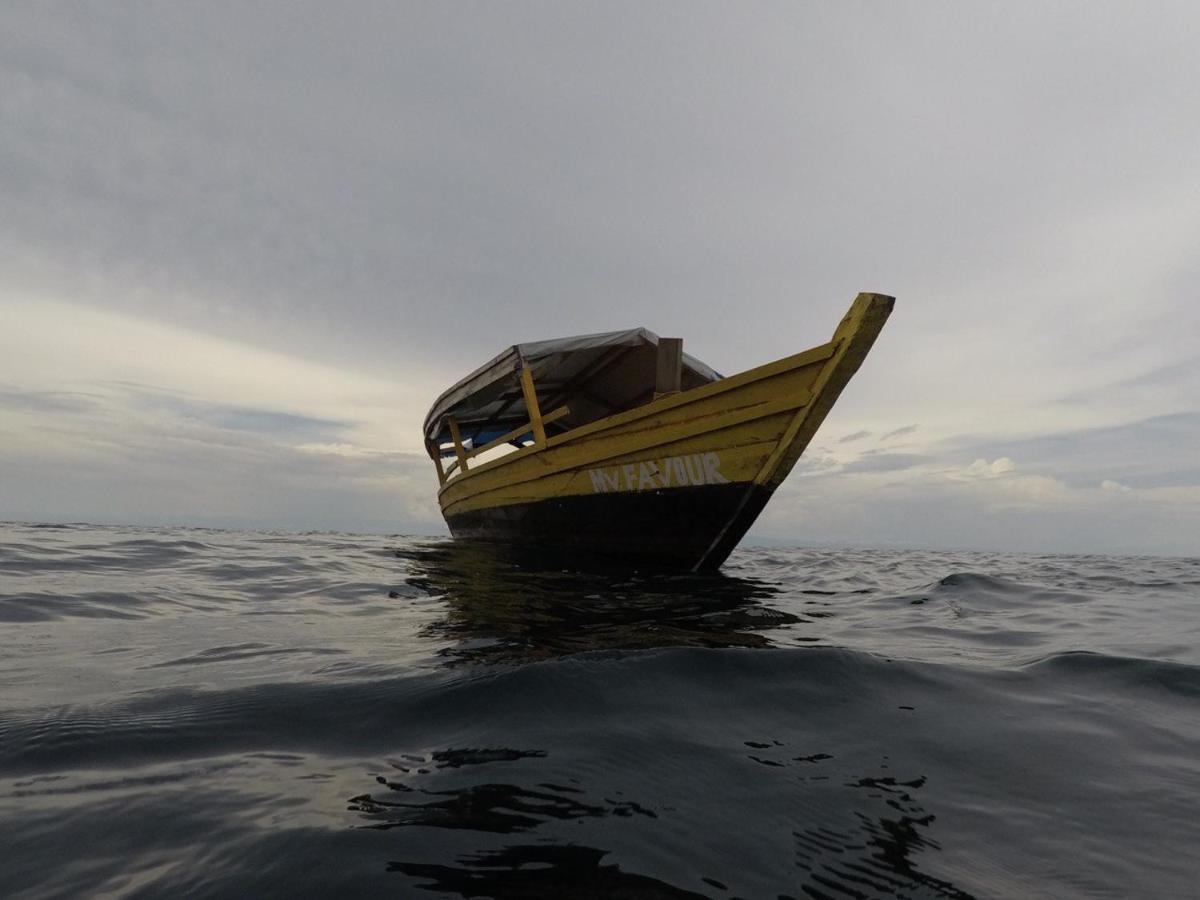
435	452
668	373
459	450
531	405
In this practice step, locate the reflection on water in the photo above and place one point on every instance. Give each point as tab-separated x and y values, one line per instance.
505	605
852	835
540	871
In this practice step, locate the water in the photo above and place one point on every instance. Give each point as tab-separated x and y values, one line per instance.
208	713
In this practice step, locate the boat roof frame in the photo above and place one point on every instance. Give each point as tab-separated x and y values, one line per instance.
472	400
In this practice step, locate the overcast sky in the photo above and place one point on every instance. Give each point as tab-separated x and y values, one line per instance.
243	246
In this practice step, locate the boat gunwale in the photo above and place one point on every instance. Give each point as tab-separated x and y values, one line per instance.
820	353
748	414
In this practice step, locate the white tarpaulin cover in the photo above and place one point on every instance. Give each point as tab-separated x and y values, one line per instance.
596	375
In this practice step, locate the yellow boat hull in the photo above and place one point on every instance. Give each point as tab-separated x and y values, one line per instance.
676	482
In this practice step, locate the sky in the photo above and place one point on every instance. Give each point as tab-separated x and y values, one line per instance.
244	246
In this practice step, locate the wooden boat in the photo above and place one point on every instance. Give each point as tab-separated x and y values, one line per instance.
620	445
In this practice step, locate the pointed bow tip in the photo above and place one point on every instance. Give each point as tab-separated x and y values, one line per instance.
882	300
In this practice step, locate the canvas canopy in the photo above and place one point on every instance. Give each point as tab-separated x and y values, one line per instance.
596	375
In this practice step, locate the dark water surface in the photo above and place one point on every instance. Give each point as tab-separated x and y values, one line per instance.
208	713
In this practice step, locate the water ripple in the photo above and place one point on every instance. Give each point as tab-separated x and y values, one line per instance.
205	713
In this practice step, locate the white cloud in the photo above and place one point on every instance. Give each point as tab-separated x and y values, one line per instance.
921	507
50	345
337	450
981	468
111	418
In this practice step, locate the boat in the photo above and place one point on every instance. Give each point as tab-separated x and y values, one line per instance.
621	446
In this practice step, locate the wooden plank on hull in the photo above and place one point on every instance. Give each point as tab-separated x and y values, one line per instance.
725	441
738	461
778	386
602	447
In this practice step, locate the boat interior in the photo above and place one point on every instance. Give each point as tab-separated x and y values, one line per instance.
534	391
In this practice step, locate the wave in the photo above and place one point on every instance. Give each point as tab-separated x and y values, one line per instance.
621	686
1126	674
834	769
314	715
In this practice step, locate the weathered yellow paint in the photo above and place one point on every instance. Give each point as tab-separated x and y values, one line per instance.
435	453
778	389
737	464
531	406
459	451
757	422
694	397
853	338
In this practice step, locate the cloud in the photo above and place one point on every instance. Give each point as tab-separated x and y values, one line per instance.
885	462
48	402
921	507
814	463
1114	487
1156	377
1145	452
359	182
304	234
855	436
161	465
981	468
50	345
150	431
337	450
239	418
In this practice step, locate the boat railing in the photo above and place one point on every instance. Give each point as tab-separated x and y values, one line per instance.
464	453
667	382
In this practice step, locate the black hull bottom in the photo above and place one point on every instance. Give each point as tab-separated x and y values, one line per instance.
693	528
